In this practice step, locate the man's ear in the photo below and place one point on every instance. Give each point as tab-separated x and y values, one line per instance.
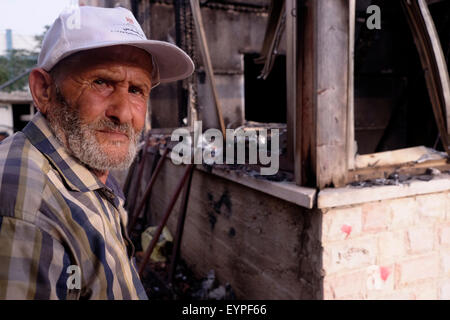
40	82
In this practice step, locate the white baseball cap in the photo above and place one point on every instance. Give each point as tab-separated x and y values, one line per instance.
85	27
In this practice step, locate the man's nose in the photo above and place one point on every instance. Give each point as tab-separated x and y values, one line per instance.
119	106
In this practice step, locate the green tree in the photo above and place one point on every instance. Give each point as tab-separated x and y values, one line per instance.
16	62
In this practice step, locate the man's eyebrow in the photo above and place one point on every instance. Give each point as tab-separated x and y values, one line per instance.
142	85
111	75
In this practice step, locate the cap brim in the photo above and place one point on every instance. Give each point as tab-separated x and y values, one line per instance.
173	63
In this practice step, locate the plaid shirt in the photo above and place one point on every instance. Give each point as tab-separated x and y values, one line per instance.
54	213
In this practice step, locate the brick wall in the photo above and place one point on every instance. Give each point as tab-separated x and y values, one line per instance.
388	249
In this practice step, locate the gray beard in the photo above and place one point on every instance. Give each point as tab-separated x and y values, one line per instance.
81	142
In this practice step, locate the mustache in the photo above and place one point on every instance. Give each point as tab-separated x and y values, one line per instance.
109	125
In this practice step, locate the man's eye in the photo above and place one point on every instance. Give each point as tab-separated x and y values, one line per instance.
135	90
99	81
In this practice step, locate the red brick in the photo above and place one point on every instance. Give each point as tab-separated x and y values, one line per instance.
447	211
432	206
404	212
445	261
444	290
376	216
359	296
345	285
444	235
399	295
425	291
337	221
422	291
420	239
391	246
416	269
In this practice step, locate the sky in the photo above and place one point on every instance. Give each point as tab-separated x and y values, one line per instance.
29	17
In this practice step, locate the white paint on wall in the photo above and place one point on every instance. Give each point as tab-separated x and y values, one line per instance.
6	118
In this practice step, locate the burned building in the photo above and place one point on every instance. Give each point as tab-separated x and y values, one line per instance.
360	207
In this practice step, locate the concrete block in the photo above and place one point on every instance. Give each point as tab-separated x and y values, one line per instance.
425	291
444	290
399	295
415	269
432	206
341	224
351	254
404	212
344	286
445	262
376	216
391	246
444	235
420	239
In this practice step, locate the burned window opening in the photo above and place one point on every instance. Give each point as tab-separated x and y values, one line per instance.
265	100
20	110
440	12
392	104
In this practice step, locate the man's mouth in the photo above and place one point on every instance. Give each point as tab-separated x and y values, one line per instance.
115	134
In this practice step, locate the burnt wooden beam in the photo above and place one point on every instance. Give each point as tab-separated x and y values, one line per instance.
325	90
199	27
410	169
305	117
331	91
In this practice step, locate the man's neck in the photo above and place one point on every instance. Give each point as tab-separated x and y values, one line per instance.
101	175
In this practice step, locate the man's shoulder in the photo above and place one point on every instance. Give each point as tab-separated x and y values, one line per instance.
19	156
23	174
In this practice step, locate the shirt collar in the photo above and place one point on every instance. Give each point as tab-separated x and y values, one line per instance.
77	176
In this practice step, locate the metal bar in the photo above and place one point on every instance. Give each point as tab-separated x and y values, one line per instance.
20	76
351	146
147	190
140	172
207	60
180	228
181	94
291	81
166	216
127	185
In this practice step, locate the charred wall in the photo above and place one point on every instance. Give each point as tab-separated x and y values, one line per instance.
232	29
266	248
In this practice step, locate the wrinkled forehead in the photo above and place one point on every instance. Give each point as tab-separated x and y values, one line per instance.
122	54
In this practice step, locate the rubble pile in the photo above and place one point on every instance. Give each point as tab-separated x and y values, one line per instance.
185	286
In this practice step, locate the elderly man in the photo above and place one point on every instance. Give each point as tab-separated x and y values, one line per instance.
62	222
